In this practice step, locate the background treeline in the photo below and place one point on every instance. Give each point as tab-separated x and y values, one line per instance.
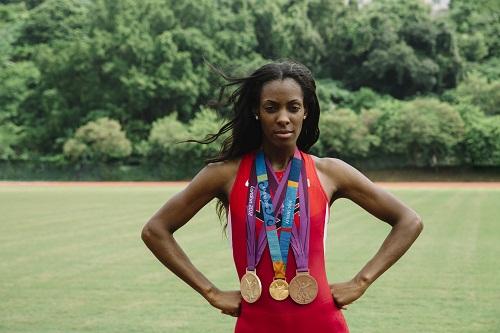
111	86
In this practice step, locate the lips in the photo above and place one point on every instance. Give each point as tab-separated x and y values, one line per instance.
284	134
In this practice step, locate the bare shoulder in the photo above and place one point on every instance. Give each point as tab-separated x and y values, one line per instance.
334	167
327	164
218	176
337	176
224	168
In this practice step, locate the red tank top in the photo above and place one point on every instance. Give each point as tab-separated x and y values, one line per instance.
268	315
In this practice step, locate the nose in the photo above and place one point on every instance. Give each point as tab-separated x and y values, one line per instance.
283	118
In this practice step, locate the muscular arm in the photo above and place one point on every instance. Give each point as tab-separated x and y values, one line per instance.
213	181
343	181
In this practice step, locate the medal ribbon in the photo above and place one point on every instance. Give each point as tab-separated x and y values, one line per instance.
278	190
251	259
278	247
300	238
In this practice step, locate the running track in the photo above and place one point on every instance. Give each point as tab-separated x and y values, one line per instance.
394	185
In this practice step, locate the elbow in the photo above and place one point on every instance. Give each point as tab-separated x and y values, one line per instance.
153	231
417	224
148	233
412	224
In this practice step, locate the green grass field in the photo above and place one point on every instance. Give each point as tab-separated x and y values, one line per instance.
71	260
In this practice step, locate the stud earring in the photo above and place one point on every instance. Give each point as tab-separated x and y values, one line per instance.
305	117
256	117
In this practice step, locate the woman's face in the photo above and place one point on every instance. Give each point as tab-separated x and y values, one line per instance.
281	112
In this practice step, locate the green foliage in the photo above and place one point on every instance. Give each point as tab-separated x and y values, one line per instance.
204	123
476	90
489	68
12	17
72	62
393	47
425	129
480	20
10	138
54	20
344	135
16	85
473	46
481	143
127	58
284	30
167	141
101	140
165	133
330	93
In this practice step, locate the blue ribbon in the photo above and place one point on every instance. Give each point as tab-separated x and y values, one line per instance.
278	248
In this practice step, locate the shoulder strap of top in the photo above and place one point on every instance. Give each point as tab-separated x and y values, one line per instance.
312	174
243	171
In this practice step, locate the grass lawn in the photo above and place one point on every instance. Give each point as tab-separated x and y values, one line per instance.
71	260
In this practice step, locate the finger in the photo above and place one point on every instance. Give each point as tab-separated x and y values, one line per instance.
341	307
230	313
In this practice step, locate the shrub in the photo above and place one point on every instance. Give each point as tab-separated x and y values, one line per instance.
478	91
165	133
100	140
344	134
424	129
481	143
167	146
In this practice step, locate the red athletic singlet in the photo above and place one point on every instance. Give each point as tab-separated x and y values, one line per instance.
268	315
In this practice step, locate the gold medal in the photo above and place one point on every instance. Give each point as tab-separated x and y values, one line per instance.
303	288
279	289
250	287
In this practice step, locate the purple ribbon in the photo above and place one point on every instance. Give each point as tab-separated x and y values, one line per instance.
278	197
300	238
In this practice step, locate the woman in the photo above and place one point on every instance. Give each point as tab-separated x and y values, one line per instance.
277	199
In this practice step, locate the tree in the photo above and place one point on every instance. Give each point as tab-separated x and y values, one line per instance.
10	138
284	30
477	22
393	47
54	20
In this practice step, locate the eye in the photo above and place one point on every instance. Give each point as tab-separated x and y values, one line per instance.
269	108
295	108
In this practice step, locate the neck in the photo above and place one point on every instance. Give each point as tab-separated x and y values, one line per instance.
278	156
